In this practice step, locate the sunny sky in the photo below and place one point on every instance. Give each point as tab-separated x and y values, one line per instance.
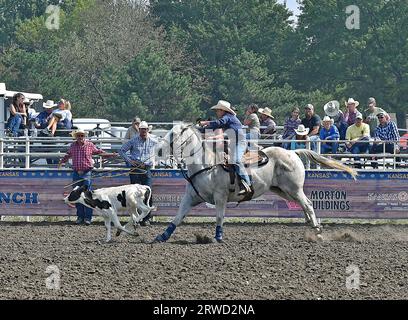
292	5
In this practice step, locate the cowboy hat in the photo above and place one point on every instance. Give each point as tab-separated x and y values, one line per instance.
266	111
351	100
143	125
224	105
327	118
301	130
332	108
49	104
76	132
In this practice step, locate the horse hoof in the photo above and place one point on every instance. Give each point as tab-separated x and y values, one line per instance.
219	240
319	237
158	239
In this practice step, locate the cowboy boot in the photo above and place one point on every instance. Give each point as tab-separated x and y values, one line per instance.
244	188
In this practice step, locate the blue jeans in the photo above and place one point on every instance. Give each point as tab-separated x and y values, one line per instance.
143	177
236	156
329	147
342	127
83	212
14	123
313	142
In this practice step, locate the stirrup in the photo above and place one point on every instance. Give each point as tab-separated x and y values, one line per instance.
246	188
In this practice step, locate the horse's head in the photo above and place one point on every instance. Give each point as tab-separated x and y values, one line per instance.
184	141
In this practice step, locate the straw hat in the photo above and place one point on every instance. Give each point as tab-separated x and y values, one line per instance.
224	105
75	133
327	118
49	104
332	108
351	100
301	130
266	111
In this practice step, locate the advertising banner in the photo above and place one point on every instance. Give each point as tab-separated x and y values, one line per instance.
375	194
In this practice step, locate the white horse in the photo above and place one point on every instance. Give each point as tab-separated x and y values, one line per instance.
284	175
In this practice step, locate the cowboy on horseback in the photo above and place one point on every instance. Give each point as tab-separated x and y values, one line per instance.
228	122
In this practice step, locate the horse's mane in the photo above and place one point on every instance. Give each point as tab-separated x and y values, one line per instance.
208	151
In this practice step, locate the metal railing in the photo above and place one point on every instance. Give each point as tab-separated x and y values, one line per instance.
45	152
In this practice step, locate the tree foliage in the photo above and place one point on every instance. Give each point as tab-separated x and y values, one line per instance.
172	60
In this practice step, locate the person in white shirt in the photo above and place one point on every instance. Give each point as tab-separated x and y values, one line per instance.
62	118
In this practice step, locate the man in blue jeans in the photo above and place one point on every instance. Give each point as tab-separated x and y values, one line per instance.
231	126
141	149
358	136
81	152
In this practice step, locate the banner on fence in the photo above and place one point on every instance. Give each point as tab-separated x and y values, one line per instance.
334	194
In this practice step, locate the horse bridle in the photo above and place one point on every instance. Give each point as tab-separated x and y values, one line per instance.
184	172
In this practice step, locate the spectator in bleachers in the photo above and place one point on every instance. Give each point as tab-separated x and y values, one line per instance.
252	121
357	136
370	115
61	118
386	131
312	122
329	135
291	123
18	115
133	130
31	113
44	117
301	134
267	121
352	112
332	109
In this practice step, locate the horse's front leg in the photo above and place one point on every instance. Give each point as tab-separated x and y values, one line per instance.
220	205
187	203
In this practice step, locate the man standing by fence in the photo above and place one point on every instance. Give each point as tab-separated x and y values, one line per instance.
81	152
141	148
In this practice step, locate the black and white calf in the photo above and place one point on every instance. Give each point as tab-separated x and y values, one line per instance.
133	199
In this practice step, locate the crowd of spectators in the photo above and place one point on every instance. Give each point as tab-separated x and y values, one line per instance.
341	131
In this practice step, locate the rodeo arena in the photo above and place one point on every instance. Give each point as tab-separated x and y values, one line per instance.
321	217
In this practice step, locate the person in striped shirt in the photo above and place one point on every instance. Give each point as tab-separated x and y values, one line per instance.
386	131
81	152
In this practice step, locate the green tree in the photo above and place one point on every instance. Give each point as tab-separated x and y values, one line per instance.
149	88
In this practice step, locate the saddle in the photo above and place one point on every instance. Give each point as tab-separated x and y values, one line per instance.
249	159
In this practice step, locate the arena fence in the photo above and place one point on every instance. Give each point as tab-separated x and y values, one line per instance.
31	185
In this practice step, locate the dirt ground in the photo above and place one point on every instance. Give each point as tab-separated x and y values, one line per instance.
257	261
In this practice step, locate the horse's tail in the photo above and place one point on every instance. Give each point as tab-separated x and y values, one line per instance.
317	158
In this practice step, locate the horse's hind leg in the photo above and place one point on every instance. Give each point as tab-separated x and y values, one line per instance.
288	197
307	206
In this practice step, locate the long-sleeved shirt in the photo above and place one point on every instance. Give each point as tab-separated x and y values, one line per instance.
229	121
140	150
331	134
290	126
387	132
82	155
350	118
